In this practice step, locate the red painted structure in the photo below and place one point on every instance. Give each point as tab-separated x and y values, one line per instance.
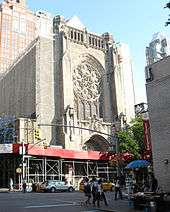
147	140
68	154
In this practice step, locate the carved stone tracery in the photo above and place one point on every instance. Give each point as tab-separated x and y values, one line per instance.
86	81
87	87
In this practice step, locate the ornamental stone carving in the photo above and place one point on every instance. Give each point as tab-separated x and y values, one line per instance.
86	82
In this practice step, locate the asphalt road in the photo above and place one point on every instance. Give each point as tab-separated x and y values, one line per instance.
43	202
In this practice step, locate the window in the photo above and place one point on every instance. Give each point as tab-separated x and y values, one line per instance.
78	36
90	40
75	35
81	37
102	44
15	24
99	43
71	34
93	41
23	26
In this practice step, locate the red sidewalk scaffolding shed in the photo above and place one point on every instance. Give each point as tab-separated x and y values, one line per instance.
55	163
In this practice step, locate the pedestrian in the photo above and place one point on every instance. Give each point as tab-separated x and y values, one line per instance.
87	191
94	186
11	184
118	189
100	194
153	183
122	181
24	186
145	187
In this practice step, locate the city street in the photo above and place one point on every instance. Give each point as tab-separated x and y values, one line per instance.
44	202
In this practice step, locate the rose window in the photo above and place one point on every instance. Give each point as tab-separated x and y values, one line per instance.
86	80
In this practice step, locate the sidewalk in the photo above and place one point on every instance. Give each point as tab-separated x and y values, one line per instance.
115	205
6	190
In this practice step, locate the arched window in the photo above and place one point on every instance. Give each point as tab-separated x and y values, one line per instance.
82	110
93	109
76	108
87	111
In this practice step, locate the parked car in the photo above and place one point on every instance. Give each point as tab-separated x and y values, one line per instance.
56	185
106	185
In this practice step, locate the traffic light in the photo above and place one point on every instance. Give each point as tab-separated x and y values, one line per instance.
37	134
45	145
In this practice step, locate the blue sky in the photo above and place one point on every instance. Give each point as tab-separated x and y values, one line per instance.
130	21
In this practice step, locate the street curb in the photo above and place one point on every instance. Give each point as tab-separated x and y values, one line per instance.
7	191
105	209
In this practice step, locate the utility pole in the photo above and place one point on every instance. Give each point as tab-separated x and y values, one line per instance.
22	151
23	159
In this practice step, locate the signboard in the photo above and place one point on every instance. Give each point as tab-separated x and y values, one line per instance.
6	148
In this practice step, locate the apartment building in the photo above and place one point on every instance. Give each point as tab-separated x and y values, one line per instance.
18	27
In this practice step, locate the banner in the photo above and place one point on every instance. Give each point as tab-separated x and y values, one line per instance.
147	135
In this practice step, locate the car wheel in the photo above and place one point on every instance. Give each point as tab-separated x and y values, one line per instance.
52	190
70	189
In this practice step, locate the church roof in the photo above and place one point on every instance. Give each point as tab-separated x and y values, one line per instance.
76	23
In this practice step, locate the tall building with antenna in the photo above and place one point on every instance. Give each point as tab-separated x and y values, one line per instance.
158	48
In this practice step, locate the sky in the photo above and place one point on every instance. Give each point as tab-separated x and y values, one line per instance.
130	21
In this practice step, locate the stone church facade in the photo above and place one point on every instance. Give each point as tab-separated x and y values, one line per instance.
89	84
74	85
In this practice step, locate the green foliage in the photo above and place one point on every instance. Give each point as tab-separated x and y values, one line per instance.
127	143
132	140
137	130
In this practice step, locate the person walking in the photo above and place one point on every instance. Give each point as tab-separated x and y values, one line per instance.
153	183
118	189
11	184
94	186
24	186
87	191
100	196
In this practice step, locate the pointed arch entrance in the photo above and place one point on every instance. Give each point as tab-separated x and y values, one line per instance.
97	143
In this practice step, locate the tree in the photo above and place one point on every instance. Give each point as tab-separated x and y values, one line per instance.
132	140
127	143
137	129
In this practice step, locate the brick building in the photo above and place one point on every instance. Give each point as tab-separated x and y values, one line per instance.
157	88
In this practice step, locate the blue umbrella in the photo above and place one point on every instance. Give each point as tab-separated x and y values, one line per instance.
137	164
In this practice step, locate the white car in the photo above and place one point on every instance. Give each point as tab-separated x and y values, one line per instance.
56	185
